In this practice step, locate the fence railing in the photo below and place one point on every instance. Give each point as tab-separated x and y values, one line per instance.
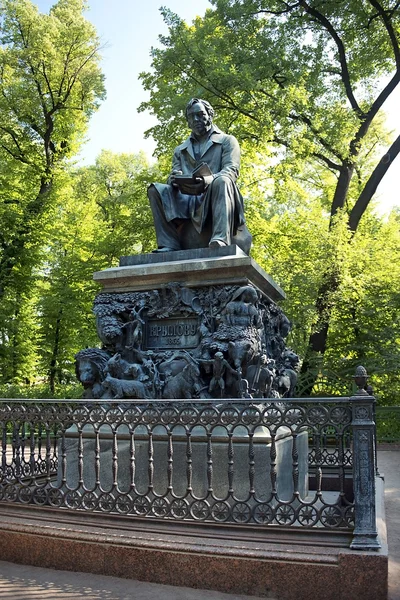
302	463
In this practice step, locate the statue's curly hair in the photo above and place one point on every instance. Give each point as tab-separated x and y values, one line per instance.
206	105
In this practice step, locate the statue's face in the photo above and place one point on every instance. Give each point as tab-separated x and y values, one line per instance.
199	120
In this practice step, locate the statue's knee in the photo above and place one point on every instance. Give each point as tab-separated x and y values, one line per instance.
222	182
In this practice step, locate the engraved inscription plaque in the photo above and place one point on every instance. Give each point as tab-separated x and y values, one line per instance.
172	333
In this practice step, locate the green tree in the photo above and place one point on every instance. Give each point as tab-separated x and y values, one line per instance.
101	214
365	323
117	183
301	82
50	84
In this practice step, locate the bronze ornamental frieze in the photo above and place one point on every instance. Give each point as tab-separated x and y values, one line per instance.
180	341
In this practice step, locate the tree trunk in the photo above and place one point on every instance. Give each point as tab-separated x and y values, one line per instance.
11	252
54	356
342	188
318	339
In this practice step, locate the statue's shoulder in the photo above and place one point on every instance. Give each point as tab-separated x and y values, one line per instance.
182	146
223	138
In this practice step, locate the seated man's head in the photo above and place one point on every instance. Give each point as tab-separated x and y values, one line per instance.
199	115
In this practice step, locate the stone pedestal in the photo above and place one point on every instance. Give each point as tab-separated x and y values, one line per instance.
188	324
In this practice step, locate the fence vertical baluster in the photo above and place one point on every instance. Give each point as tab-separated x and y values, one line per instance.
273	464
39	450
48	454
132	452
295	465
16	448
252	469
341	462
32	450
189	461
80	456
97	456
63	459
55	446
23	441
170	458
114	457
209	463
230	462
4	448
151	461
318	462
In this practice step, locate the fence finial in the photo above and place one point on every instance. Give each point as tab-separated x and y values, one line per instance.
360	379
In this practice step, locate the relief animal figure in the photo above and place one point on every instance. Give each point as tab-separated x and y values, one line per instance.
261	376
122	369
285	383
241	352
286	379
185	384
290	360
90	365
125	388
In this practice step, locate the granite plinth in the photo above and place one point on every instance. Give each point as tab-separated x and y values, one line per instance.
178	255
201	267
284	563
220	458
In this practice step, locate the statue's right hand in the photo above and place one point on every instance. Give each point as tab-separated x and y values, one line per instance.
172	180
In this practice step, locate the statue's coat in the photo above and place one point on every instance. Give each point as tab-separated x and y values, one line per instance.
222	155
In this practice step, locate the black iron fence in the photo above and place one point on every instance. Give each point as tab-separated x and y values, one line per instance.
302	463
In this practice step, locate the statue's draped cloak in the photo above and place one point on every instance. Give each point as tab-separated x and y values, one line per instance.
222	155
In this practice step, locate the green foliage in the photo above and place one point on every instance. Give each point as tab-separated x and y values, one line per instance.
102	214
41	391
388	424
365	325
50	84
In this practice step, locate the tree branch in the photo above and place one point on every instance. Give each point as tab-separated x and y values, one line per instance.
13	136
18	157
332	165
345	75
324	143
371	186
370	115
389	28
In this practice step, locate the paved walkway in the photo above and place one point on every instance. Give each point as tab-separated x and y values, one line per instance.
19	582
389	466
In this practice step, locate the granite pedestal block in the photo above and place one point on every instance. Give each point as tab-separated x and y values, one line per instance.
220	462
206	266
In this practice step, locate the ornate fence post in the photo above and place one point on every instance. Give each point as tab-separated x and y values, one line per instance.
365	536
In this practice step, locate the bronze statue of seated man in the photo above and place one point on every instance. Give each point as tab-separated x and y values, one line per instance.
201	204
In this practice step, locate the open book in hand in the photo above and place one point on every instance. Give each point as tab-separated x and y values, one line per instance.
193	184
